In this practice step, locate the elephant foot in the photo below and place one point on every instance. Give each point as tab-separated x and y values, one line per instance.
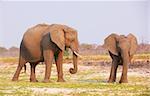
33	80
60	80
110	81
46	81
123	81
14	79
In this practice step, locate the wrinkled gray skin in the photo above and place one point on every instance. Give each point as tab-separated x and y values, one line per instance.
42	43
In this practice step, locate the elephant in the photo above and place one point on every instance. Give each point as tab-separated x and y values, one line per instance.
43	43
121	49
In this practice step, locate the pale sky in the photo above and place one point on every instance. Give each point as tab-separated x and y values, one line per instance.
94	20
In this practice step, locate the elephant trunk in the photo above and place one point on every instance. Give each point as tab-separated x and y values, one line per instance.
75	61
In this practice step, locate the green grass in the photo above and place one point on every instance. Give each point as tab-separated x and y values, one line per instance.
87	82
83	58
142	56
9	59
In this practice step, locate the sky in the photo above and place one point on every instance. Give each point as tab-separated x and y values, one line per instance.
94	20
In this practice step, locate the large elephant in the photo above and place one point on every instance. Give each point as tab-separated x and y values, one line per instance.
44	42
121	49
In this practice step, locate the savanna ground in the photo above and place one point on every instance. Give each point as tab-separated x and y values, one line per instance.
90	80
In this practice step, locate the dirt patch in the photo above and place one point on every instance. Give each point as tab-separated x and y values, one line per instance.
52	90
135	64
65	91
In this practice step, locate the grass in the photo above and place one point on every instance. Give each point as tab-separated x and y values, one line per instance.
107	57
84	58
89	81
9	59
142	56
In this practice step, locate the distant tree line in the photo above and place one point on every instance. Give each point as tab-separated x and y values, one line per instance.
84	49
11	52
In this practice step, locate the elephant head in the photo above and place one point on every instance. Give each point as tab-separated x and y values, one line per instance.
64	36
113	41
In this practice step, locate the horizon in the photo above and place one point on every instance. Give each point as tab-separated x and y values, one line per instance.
94	20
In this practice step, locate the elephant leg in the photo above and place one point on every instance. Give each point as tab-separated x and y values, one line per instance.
59	65
114	66
112	77
32	75
22	62
48	59
124	69
124	74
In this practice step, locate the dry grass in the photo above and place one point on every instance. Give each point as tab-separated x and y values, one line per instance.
90	80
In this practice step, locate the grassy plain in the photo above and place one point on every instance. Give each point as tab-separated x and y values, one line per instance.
90	80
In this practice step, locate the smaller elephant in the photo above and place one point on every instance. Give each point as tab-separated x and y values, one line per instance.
121	49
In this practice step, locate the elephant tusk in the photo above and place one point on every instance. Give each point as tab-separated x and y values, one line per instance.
76	53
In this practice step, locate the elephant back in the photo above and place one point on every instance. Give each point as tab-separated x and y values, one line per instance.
30	45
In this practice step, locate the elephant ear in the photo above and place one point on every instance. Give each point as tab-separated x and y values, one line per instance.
133	43
57	36
110	43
